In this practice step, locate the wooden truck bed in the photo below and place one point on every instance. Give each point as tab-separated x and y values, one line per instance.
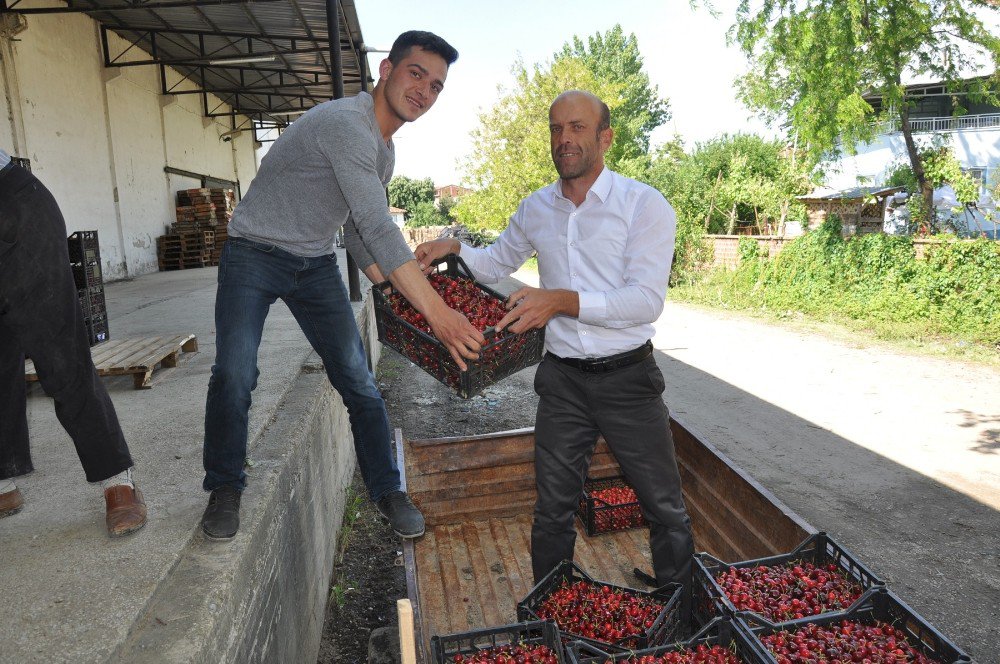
477	493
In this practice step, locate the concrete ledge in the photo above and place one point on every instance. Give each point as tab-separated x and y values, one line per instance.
261	597
166	594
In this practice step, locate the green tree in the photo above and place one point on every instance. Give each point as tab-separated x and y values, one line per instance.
814	61
614	56
426	214
408	193
731	178
511	157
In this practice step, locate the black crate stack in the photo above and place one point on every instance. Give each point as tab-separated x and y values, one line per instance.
196	238
85	262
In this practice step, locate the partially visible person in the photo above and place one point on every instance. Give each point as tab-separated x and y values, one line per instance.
40	316
327	171
605	244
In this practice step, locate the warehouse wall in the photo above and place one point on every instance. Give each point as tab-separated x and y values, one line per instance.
100	138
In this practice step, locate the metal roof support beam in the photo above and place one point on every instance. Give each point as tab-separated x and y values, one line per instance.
337	70
264	89
234	35
200	59
14	7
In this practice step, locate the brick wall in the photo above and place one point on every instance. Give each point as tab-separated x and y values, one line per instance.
727	252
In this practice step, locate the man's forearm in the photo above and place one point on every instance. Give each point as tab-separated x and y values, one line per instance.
413	285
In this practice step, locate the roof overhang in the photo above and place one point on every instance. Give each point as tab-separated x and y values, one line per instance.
852	194
264	60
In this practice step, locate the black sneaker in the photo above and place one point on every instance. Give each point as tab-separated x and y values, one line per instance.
404	517
221	519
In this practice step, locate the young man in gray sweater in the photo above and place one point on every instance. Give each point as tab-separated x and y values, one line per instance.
328	170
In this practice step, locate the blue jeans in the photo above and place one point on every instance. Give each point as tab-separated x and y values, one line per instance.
252	276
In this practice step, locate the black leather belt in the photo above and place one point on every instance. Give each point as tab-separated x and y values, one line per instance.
606	364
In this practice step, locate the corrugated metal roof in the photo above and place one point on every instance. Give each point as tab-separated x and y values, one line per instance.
854	193
266	59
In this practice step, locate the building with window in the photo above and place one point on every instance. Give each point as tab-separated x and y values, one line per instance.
974	137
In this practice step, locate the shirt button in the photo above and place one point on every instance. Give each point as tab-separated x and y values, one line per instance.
574	274
584	333
572	244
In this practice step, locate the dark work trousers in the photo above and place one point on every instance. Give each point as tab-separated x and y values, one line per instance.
40	316
625	406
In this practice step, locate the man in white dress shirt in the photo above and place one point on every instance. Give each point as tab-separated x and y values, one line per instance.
605	244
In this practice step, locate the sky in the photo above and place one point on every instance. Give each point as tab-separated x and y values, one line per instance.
684	50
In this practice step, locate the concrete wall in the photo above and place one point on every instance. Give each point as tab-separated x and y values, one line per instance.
99	138
262	597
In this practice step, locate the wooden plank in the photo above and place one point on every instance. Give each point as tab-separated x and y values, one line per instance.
517	583
125	356
407	645
481	577
432	594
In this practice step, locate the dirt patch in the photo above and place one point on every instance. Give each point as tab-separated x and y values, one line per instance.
368	577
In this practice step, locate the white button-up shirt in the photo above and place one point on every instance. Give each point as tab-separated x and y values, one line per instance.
615	250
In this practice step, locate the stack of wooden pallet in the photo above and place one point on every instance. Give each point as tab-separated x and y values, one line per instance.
196	238
185	250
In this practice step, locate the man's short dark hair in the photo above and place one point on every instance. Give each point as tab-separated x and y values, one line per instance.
428	41
605	122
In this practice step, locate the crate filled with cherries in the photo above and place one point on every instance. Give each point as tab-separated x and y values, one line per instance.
534	642
722	641
609	505
611	617
404	329
818	577
879	629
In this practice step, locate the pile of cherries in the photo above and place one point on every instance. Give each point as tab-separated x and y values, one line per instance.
790	591
700	654
460	293
600	612
843	643
615	508
510	654
483	311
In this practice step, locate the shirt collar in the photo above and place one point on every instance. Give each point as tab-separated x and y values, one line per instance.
601	187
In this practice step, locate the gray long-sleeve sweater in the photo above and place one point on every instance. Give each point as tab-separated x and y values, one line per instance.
328	169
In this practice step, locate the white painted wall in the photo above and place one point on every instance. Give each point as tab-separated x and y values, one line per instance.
875	161
99	138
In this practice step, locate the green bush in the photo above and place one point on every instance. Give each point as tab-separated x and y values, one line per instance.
874	279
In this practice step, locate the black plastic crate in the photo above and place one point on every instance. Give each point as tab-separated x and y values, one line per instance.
87	275
97	329
541	632
877	604
599	517
719	632
504	354
92	301
83	247
709	600
665	627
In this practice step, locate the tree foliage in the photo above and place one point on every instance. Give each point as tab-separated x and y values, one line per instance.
734	178
814	62
614	56
511	157
408	193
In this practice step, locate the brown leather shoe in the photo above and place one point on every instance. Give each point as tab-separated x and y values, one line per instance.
126	510
11	502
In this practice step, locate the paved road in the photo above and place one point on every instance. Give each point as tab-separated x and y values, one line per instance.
896	456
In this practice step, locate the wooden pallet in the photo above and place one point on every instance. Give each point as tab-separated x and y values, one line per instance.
138	357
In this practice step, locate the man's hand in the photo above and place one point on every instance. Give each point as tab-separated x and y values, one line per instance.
428	252
534	307
457	334
449	326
